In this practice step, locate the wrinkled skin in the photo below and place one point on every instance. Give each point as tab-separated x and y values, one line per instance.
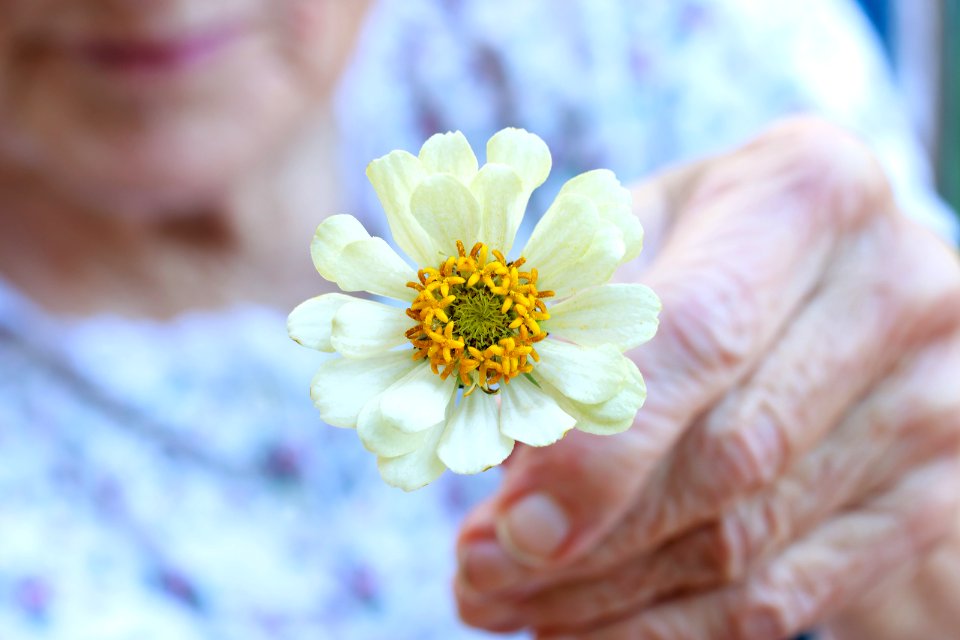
798	449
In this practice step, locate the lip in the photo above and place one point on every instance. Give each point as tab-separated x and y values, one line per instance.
156	55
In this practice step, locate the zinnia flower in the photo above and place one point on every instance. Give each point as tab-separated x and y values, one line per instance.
483	350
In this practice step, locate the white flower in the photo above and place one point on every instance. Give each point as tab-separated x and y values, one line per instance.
470	363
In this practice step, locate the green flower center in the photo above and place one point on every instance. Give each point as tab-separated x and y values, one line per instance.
478	317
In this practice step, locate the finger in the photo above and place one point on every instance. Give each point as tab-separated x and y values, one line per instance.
481	554
908	419
737	262
814	579
478	523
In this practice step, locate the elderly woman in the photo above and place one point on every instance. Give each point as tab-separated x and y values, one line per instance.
162	475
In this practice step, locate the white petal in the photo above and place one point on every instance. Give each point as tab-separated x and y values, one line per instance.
601	420
599	428
363	328
593	268
472	441
379	437
614	204
417	401
628	224
525	152
599	185
372	265
346	254
572	247
394	177
311	322
342	387
329	241
616	414
530	415
502	200
449	153
562	235
624	315
416	469
446	208
626	402
589	375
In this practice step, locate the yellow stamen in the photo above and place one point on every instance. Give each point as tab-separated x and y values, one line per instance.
482	335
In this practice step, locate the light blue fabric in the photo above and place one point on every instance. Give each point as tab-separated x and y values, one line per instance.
172	480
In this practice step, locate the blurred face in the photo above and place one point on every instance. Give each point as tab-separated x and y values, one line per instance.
162	103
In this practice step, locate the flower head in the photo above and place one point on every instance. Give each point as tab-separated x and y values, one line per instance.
482	350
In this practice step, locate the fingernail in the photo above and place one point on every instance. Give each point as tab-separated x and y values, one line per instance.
533	529
487	567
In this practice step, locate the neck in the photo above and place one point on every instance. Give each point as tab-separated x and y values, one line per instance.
248	245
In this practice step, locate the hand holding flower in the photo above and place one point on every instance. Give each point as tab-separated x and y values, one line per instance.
800	440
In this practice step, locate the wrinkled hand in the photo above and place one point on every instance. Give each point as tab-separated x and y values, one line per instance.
800	437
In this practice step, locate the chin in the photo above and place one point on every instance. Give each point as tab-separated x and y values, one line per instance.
160	170
161	161
149	188
162	134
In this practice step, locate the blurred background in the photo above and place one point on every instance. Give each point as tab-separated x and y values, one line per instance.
920	39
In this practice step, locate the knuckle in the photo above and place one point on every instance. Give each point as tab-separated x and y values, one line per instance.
747	458
829	163
637	534
579	605
746	533
911	281
931	518
732	541
925	418
752	529
711	323
906	297
933	285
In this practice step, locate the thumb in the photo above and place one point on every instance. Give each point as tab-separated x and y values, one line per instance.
556	502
